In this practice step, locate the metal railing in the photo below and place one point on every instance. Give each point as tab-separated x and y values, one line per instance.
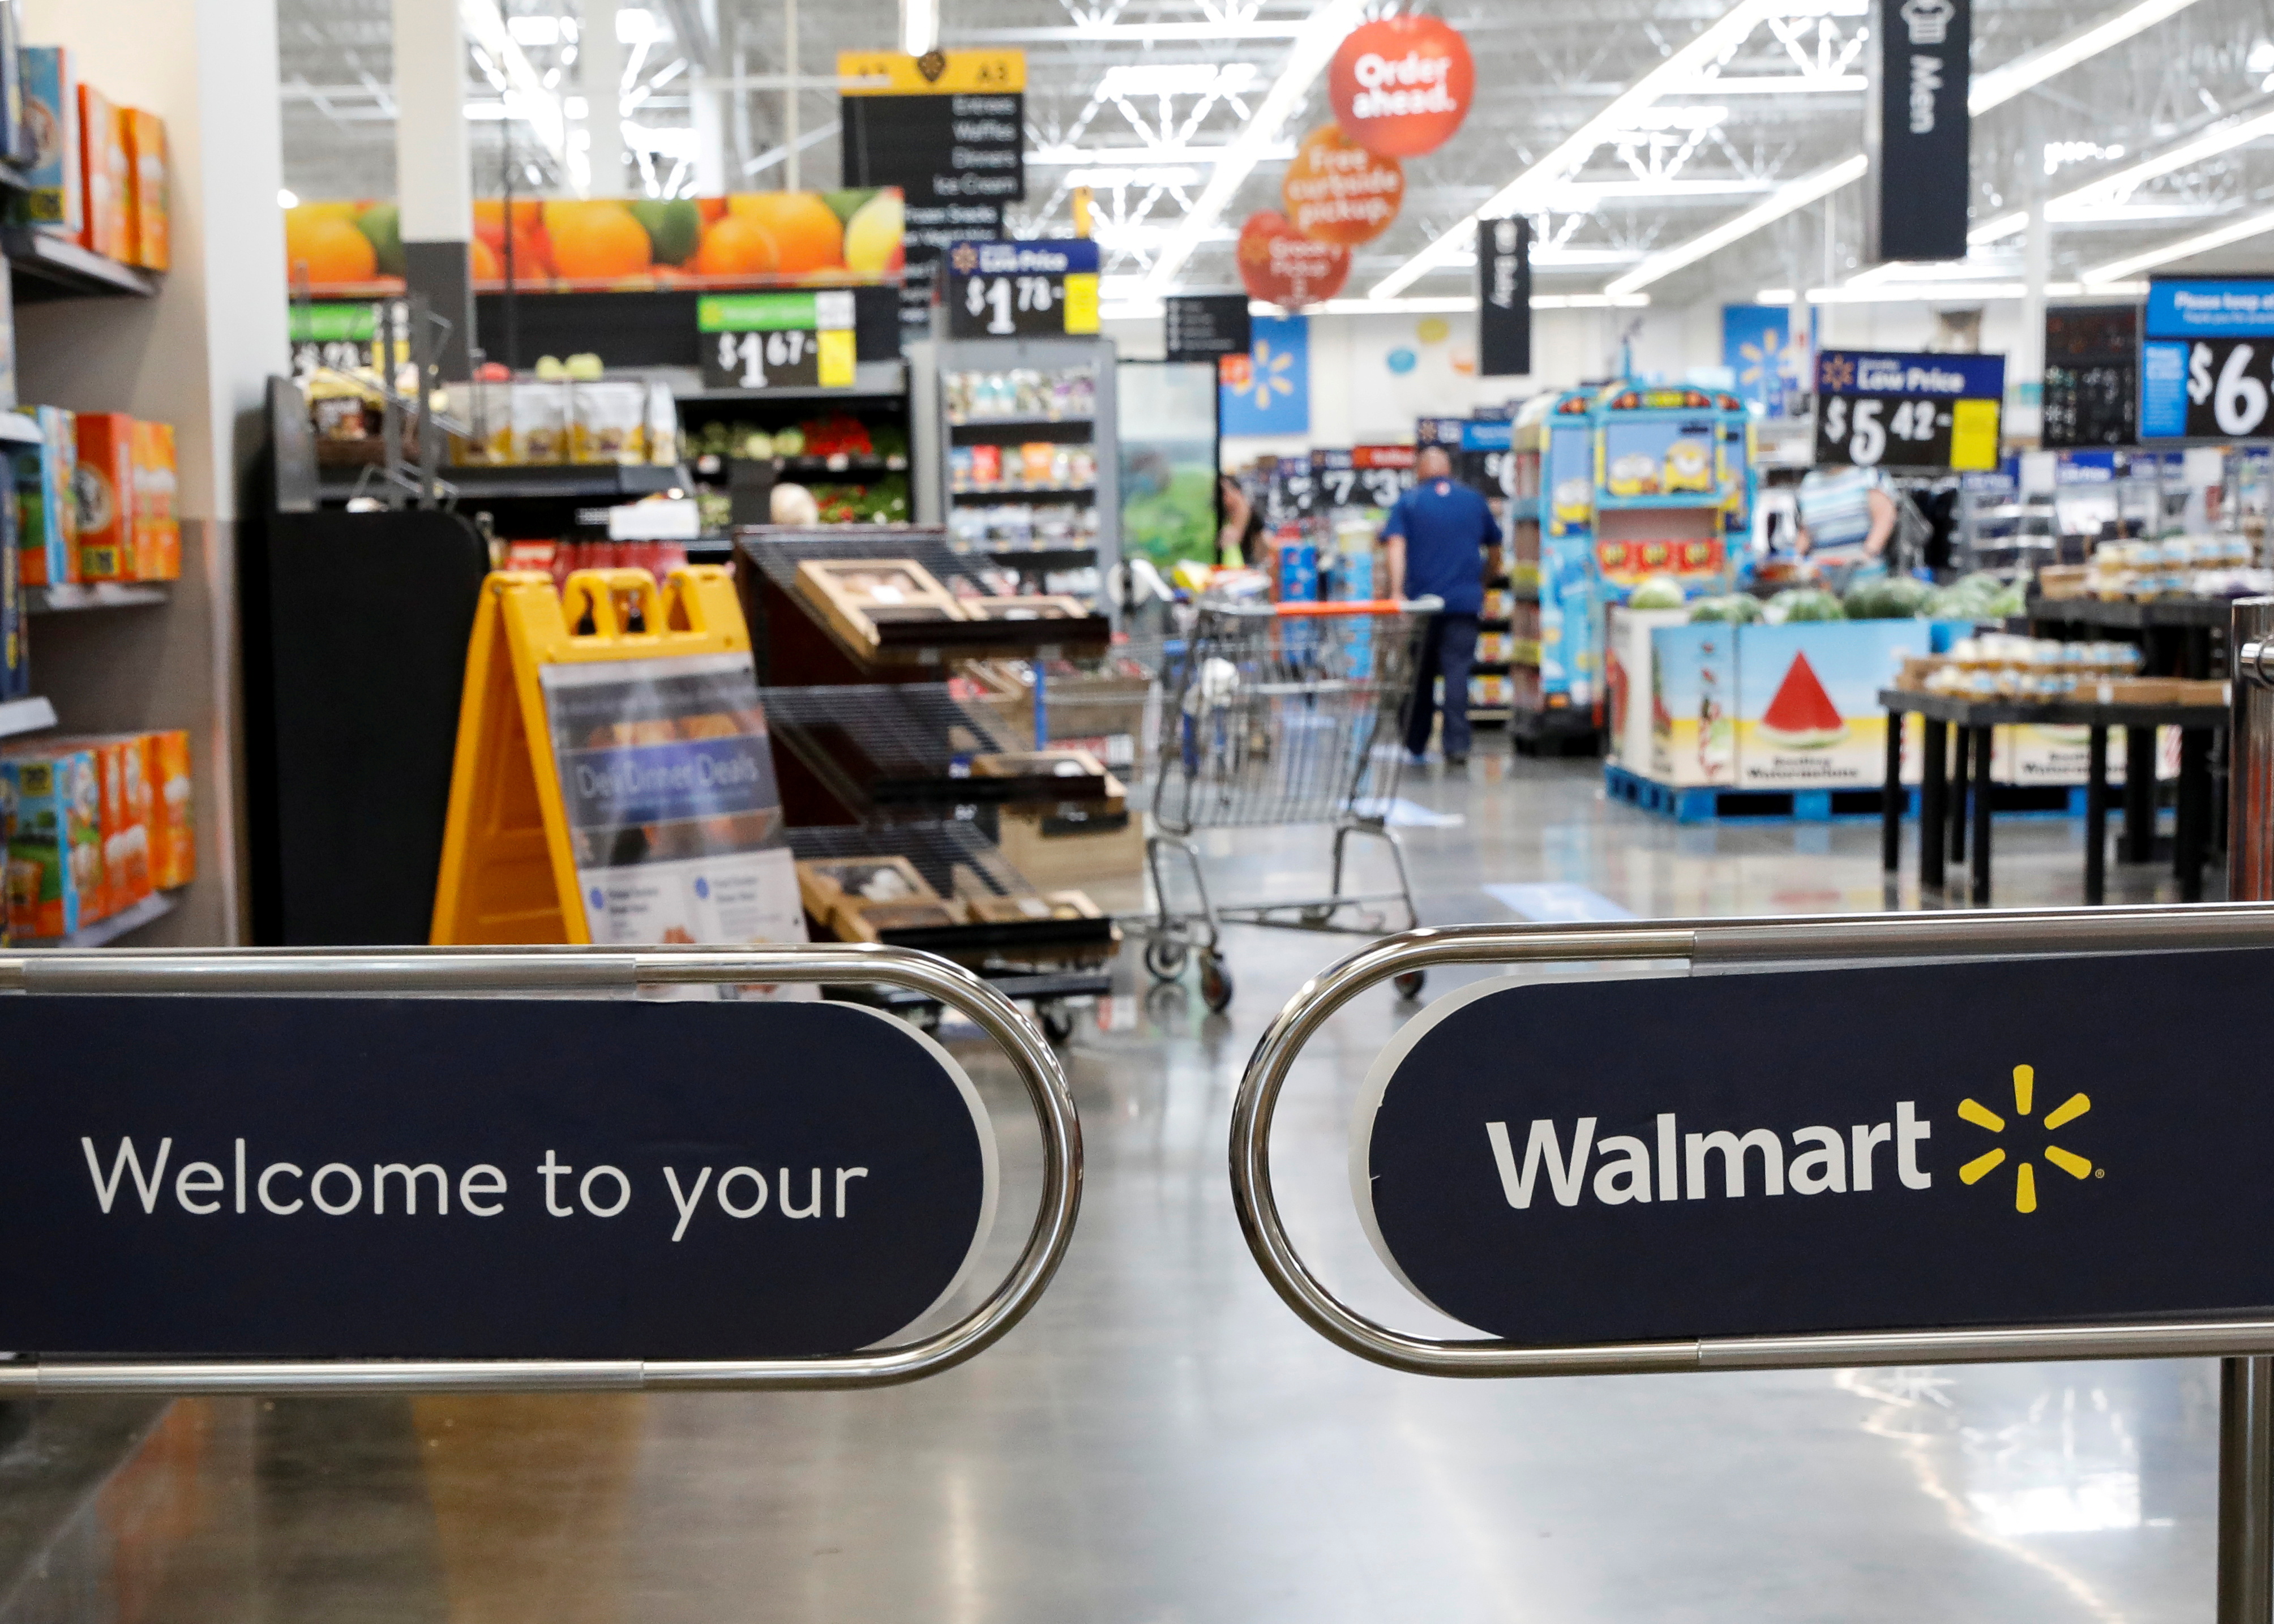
568	971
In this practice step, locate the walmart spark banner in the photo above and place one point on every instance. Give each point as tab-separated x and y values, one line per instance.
1822	1151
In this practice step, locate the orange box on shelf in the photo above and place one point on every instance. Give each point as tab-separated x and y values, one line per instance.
123	820
102	170
104	485
156	533
173	809
147	181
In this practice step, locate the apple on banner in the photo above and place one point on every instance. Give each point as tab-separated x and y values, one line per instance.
1336	191
1401	86
1282	266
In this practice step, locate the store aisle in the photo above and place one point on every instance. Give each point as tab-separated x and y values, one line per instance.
1162	1443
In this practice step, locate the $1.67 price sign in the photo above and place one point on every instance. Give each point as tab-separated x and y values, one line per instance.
777	340
1908	410
1021	289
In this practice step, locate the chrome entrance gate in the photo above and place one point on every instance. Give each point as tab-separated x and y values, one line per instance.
1747	947
574	974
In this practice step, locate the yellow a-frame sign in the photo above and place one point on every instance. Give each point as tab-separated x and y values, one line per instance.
510	871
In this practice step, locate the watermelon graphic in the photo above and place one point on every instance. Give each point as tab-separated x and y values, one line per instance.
1802	717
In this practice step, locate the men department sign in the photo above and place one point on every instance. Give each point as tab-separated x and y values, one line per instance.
1971	1145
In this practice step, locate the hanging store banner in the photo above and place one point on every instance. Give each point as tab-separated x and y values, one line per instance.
473	1179
1912	411
1268	390
1336	191
776	340
1757	348
1917	130
1206	327
946	128
1504	298
1401	86
2207	359
1280	266
1021	289
1628	1183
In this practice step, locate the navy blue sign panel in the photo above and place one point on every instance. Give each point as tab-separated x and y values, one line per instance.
1917	129
1021	289
479	1178
2207	359
1878	408
1990	1144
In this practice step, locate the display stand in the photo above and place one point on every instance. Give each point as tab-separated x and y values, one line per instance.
1556	707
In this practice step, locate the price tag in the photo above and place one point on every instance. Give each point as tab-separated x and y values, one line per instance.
2207	360
338	336
1908	410
1021	289
777	340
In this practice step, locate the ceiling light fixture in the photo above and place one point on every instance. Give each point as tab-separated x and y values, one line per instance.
1989	90
486	28
1322	31
919	26
1677	73
1956	294
2079	203
2257	225
1794	194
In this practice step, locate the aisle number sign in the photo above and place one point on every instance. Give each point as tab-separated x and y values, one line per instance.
2207	360
777	340
1021	289
1903	410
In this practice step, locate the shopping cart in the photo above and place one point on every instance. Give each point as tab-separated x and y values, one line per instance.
1288	713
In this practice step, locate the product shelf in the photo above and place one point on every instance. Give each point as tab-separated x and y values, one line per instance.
47	265
534	481
1022	493
871	380
26	715
1033	560
156	906
99	595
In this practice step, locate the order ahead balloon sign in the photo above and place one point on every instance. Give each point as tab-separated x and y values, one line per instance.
492	1179
1401	86
1985	1144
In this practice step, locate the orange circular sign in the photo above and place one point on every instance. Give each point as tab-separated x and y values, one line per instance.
1336	191
1401	86
1282	266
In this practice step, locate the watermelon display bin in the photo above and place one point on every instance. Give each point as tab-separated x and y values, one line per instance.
1789	707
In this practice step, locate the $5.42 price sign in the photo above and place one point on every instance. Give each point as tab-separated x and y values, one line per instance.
1021	289
777	340
1908	410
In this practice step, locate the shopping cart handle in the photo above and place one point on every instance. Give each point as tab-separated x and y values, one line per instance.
1367	605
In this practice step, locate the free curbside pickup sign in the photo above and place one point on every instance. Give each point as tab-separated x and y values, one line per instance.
2001	1143
480	1178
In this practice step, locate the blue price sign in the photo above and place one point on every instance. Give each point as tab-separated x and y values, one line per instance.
2207	359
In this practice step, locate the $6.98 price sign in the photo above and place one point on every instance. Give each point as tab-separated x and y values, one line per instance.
2228	387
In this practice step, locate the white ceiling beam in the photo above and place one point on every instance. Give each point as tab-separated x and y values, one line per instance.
2081	204
1125	34
2116	270
486	28
1677	73
1314	45
1987	91
1794	194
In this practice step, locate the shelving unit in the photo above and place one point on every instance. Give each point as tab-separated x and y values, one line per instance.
104	932
101	595
537	482
1552	583
26	715
45	265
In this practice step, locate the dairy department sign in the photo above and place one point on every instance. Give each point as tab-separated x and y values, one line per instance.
477	1179
1668	1158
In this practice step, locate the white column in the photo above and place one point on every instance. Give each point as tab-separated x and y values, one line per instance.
434	167
2025	380
600	70
710	117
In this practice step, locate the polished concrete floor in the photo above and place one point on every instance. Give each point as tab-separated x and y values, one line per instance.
1162	1442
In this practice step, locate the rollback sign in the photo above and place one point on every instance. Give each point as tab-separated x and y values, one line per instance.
2207	359
473	1179
1904	410
1675	1158
1918	131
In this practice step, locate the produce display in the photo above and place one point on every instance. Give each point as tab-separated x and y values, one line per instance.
2176	567
353	248
1997	665
1980	597
839	434
1887	598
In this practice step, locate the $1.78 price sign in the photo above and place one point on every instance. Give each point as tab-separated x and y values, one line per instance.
777	340
1021	289
1908	410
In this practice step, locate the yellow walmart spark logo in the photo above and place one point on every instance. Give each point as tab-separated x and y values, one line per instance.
2025	1177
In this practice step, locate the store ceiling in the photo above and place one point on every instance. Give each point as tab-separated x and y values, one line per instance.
1142	100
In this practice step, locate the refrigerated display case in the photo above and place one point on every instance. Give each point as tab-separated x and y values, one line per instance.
1167	414
1017	454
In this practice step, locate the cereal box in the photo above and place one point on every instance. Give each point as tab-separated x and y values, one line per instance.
47	513
15	668
55	859
54	201
104	485
121	821
147	181
173	812
157	532
103	176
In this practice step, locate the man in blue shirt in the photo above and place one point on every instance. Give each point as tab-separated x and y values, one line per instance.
1441	537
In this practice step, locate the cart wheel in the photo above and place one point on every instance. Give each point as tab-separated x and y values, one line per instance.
1057	1026
1216	983
1164	957
1410	984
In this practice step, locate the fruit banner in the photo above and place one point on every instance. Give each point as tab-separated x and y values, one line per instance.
345	249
